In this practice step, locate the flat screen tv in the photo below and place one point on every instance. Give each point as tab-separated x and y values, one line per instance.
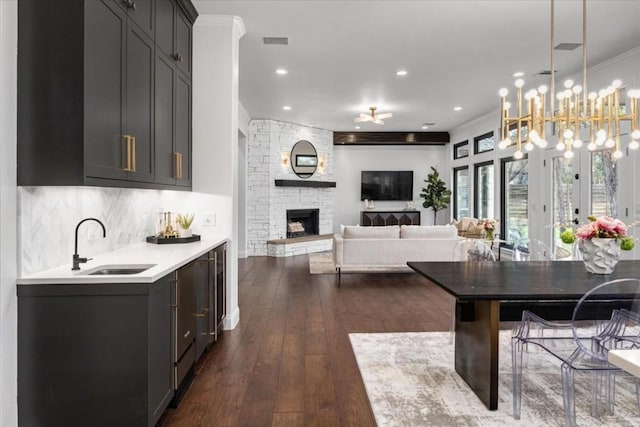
386	185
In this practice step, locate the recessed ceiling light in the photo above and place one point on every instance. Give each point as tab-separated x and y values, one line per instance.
281	71
401	73
357	127
425	127
518	74
457	108
286	108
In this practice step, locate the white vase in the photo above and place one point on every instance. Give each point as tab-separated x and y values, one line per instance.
600	255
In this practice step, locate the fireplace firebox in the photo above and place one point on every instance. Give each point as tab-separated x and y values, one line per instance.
302	222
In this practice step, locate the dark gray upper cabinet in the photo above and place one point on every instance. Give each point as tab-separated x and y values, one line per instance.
86	93
173	124
141	12
174	32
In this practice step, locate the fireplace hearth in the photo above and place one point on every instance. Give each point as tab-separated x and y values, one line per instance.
302	222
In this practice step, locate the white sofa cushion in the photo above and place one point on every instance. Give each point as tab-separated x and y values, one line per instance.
428	231
388	232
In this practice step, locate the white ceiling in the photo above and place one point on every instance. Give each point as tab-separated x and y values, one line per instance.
343	55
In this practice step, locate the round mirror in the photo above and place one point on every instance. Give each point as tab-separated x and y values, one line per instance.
304	159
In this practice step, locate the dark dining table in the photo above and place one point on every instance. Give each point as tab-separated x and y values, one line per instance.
490	292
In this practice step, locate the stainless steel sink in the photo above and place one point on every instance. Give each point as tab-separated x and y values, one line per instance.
122	269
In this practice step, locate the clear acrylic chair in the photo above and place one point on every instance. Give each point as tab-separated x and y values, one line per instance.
473	250
582	345
533	250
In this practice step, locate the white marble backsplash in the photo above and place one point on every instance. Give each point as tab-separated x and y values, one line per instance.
47	218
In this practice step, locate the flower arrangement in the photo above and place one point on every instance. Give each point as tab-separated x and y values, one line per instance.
600	227
489	223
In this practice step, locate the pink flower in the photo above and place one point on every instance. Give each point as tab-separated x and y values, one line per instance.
606	224
620	228
587	231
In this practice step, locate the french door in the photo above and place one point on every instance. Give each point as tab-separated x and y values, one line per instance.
584	185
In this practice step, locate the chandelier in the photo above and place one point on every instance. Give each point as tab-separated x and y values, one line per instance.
600	112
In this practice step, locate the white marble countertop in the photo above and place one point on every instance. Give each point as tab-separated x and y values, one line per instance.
164	258
629	360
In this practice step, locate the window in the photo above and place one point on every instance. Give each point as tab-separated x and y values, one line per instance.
604	184
461	192
483	143
460	150
515	198
483	190
513	133
562	198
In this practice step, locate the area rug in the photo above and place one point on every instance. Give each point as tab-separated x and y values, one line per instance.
322	263
410	381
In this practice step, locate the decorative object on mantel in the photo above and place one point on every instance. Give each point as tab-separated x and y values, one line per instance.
600	242
301	183
436	195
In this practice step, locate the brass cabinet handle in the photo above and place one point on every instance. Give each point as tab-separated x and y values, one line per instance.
131	153
178	169
175	165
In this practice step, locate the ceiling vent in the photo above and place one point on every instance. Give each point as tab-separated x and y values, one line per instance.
276	40
568	46
544	73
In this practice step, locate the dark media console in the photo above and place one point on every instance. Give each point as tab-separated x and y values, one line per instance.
381	218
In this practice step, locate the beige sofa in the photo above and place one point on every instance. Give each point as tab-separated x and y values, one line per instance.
370	248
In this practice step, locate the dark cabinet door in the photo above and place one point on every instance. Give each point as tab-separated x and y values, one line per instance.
182	144
165	26
139	106
185	309
203	309
141	12
220	283
160	348
105	31
165	160
183	43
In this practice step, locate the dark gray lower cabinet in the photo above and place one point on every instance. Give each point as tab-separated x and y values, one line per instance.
95	354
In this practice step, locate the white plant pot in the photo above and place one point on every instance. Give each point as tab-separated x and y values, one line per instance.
599	255
185	233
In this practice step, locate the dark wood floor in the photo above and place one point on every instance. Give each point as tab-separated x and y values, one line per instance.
289	361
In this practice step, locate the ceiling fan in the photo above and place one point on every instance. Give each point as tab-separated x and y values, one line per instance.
372	117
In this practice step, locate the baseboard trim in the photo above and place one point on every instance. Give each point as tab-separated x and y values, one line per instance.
231	320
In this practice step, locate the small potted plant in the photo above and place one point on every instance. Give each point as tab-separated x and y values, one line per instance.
184	224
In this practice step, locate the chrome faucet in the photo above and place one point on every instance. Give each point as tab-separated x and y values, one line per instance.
76	258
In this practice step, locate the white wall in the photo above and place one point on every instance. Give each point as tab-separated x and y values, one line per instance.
216	106
351	160
8	239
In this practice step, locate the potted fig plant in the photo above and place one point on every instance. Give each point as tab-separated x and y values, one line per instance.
436	195
184	223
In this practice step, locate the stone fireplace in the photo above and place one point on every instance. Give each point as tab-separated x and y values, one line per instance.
302	222
269	206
